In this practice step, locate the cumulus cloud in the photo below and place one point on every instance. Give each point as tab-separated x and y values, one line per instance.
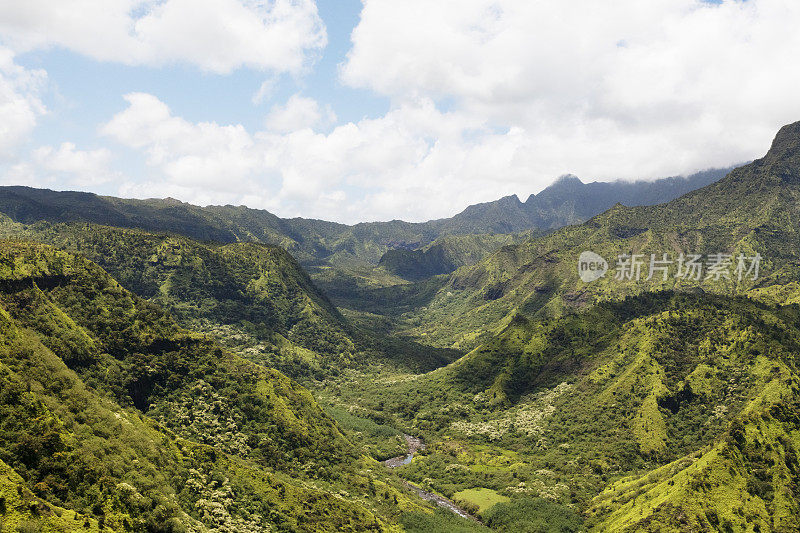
64	166
82	167
199	155
214	35
20	103
414	162
602	89
298	113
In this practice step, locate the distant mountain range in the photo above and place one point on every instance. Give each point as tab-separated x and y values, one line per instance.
569	201
754	209
314	242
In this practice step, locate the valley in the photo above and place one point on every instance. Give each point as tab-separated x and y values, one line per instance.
392	266
167	367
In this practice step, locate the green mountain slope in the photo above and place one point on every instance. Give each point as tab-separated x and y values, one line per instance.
747	481
653	413
122	344
754	209
21	510
112	410
257	288
445	254
253	297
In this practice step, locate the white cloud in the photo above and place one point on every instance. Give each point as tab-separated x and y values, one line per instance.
215	35
20	104
265	91
82	167
202	155
533	90
20	108
65	166
298	113
602	89
415	162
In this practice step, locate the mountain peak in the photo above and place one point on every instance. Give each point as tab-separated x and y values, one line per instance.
512	199
568	178
786	145
781	164
565	184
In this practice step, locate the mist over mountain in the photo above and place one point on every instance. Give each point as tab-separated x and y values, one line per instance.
567	201
482	228
570	201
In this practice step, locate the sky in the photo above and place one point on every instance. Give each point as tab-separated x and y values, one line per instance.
385	109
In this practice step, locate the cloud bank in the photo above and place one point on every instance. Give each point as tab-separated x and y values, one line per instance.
214	35
532	90
20	103
487	97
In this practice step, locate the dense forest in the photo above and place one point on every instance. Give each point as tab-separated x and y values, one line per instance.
171	368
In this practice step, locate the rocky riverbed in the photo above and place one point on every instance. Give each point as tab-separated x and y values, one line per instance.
416	444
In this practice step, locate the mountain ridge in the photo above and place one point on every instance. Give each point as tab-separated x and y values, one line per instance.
315	241
112	410
754	208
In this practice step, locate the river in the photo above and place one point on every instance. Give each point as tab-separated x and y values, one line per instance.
416	444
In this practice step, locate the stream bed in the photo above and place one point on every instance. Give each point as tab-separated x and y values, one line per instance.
416	444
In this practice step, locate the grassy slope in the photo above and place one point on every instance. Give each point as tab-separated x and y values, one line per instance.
112	410
566	406
753	209
255	298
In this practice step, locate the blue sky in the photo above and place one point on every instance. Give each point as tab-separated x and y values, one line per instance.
84	92
384	109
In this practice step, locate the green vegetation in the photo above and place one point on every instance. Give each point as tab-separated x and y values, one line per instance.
258	289
111	410
533	515
439	522
133	349
149	351
445	254
752	210
559	409
380	440
253	298
480	498
22	511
